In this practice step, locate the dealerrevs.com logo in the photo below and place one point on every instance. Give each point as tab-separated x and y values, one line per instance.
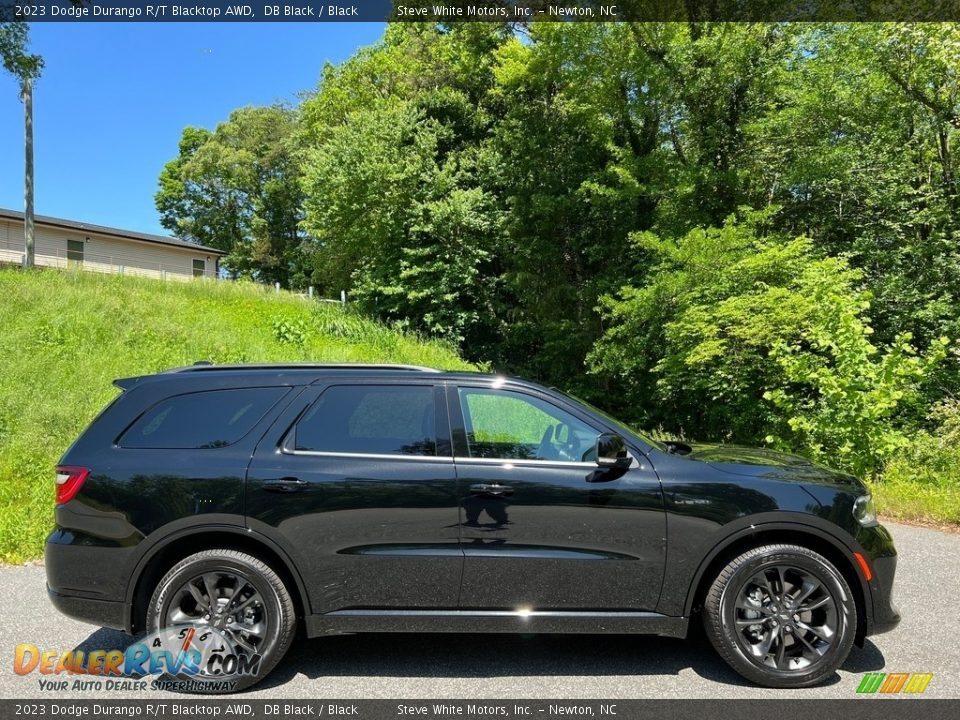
894	683
186	658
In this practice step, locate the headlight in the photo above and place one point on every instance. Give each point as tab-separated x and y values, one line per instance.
864	511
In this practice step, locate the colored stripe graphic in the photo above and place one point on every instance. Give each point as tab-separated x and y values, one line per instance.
918	682
893	683
870	682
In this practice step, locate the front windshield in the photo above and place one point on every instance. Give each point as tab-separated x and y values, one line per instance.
643	437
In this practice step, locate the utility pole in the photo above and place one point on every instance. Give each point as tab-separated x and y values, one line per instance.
28	230
25	68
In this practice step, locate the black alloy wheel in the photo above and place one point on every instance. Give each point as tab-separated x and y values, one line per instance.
238	597
781	616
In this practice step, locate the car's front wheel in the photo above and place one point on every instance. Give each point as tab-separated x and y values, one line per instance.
224	617
781	615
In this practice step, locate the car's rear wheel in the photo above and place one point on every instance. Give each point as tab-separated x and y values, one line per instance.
228	608
781	615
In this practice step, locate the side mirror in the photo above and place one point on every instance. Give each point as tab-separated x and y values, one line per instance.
612	451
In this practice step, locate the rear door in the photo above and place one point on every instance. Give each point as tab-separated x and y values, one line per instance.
543	527
357	483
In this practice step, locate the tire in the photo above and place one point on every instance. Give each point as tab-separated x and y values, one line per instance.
254	615
805	613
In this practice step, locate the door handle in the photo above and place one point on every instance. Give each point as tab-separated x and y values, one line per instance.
491	489
284	485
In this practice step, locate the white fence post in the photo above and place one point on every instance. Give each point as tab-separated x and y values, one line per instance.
343	298
310	292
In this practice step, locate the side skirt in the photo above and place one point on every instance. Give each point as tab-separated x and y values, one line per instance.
494	621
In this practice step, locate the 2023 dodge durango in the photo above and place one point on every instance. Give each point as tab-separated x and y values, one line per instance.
254	502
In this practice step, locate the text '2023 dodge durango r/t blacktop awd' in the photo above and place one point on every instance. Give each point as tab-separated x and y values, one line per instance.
250	502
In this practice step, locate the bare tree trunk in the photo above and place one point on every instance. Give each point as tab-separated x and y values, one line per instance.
28	229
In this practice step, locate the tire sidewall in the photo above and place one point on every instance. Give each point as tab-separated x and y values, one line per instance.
831	579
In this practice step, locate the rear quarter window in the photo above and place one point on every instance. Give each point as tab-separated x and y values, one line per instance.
201	420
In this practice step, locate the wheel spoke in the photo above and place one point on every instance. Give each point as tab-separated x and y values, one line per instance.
762	649
202	602
246	603
781	651
177	616
211	590
818	632
813	605
258	630
809	587
244	645
808	645
783	585
237	592
765	584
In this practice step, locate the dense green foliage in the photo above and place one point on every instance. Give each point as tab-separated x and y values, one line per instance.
923	482
236	189
742	232
74	333
758	337
14	38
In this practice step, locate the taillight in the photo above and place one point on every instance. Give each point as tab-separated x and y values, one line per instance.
69	482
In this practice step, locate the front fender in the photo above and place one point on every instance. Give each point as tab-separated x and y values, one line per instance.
680	589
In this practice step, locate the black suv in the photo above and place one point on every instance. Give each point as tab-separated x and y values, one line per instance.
247	502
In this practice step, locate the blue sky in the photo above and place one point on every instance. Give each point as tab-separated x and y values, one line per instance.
114	98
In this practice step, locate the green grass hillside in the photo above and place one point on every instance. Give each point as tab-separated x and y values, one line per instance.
66	336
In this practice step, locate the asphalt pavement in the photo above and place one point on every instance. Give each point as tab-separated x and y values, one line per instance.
518	666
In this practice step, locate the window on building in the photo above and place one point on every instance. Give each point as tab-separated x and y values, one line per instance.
211	419
199	268
377	419
74	253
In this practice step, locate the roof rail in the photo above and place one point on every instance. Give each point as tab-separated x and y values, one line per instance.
206	365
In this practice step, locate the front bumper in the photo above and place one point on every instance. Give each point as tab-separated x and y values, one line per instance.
882	614
886	615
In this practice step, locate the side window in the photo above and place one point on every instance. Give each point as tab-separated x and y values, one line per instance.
211	419
371	419
513	426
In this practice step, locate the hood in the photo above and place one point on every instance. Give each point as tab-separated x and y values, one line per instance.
739	455
760	462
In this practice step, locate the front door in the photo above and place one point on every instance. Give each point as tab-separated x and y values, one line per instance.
542	526
357	484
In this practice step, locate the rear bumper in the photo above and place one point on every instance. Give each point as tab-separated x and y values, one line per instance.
97	612
87	581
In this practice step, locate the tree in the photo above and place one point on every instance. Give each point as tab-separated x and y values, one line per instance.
494	183
237	189
743	334
717	80
393	164
860	150
403	222
26	68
